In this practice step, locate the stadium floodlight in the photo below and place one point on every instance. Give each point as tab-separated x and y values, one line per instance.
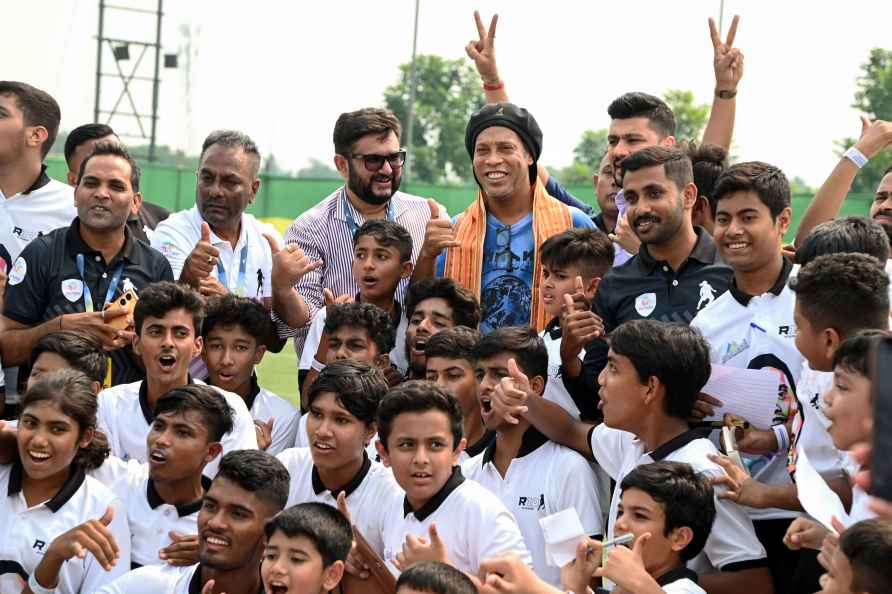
121	52
171	60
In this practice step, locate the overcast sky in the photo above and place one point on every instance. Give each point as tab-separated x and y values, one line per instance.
282	71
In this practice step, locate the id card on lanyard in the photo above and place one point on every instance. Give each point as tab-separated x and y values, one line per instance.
241	287
348	212
109	295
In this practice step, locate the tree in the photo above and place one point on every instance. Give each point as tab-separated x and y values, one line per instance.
586	158
690	117
319	170
447	93
873	97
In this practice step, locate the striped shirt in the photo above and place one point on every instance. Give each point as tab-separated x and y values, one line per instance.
324	233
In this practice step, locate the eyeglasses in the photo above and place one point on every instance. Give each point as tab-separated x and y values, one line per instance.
504	257
376	162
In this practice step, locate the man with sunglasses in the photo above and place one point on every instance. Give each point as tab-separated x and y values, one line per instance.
369	158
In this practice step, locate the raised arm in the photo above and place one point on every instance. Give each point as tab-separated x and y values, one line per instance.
727	62
483	52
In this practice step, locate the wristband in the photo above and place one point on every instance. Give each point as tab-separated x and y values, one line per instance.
36	587
495	87
856	157
783	438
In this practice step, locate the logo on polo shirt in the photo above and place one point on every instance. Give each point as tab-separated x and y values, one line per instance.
38	545
734	348
645	304
19	270
707	295
72	288
536	502
784	330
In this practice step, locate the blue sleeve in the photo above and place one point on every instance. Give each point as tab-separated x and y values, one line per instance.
580	219
554	187
441	264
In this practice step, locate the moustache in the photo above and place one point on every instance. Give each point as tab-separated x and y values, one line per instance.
646	218
883	213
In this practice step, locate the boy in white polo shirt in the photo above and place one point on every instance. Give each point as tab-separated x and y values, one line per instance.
233	332
532	476
443	516
342	405
654	373
167	321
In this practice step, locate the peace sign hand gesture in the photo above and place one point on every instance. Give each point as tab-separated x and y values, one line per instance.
483	50
727	60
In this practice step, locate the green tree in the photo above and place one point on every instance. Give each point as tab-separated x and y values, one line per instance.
447	93
873	97
690	117
591	148
318	170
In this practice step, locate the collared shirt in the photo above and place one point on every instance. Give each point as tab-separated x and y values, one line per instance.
143	223
151	519
732	544
555	391
680	581
177	236
476	448
46	283
26	532
543	479
369	494
264	405
125	417
324	233
155	579
810	427
472	522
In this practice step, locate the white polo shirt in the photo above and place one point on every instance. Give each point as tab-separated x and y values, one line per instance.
307	356
472	522
543	479
750	332
265	405
26	533
176	236
151	519
157	579
810	427
732	543
369	493
125	418
554	387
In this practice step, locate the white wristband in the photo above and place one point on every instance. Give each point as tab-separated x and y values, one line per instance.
783	438
36	587
856	157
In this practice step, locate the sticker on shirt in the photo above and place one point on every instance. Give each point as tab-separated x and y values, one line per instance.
127	285
167	248
645	304
72	288
19	270
707	295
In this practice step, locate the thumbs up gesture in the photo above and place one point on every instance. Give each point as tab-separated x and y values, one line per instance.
579	325
201	261
416	548
438	233
508	398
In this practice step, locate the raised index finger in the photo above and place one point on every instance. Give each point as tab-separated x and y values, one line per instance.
732	32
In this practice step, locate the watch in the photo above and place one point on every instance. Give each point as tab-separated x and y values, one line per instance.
725	94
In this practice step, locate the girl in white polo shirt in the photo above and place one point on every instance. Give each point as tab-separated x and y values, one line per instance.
60	530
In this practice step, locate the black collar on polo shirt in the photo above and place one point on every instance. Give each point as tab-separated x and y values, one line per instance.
183	509
553	328
352	484
147	413
42	180
676	443
779	284
253	392
704	251
76	477
531	440
679	573
195	585
75	244
439	497
473	450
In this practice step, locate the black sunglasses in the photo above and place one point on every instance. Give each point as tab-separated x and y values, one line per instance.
376	162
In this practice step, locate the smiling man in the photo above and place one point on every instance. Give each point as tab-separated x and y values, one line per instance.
64	279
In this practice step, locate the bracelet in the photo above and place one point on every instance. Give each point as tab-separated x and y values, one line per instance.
856	157
495	87
725	94
36	587
783	438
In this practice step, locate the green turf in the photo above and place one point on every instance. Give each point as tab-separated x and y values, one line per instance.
278	373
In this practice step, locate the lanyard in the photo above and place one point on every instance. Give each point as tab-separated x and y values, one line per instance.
112	284
242	286
348	212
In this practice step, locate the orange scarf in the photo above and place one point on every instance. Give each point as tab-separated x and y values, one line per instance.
465	264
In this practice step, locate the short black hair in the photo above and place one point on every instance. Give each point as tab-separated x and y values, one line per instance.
358	387
435	577
523	343
257	472
642	105
418	396
459	342
363	315
855	353
206	401
767	181
353	125
848	234
708	162
157	299
232	310
675	162
83	134
232	139
81	351
321	524
687	499
589	249
465	307
38	109
868	546
388	234
675	354
847	292
114	149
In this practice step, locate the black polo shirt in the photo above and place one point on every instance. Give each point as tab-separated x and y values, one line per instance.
646	288
50	284
144	222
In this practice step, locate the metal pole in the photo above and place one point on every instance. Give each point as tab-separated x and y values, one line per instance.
721	16
156	84
412	77
99	61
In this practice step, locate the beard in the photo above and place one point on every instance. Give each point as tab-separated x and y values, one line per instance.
363	189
